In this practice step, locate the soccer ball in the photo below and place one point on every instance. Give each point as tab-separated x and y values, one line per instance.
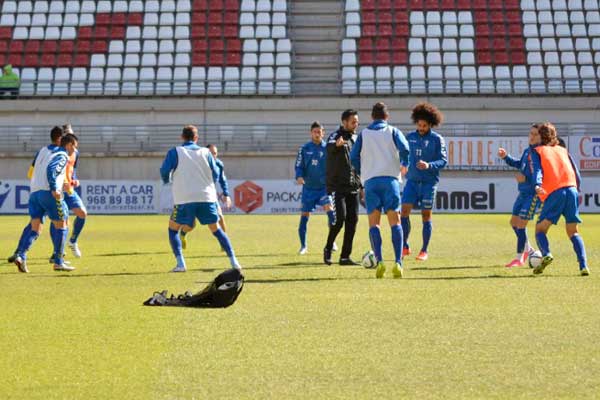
369	260
535	259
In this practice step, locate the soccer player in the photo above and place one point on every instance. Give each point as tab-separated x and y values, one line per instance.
343	183
46	198
557	182
527	203
193	173
427	158
55	135
72	199
378	155
311	174
224	187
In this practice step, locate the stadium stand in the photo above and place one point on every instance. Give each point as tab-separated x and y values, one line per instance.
471	46
147	47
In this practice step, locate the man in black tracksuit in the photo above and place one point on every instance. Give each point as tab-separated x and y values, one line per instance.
343	184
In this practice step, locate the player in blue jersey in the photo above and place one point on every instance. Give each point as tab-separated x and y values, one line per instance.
427	158
46	198
527	203
222	179
311	174
378	155
55	135
193	173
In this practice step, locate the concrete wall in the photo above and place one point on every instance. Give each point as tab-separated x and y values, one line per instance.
290	110
137	167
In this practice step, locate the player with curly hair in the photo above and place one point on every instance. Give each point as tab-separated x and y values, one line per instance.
427	158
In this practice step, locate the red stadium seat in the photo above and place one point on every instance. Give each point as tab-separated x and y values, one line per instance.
399	58
448	5
65	60
48	60
463	4
198	31
67	46
84	46
32	46
401	17
230	31
5	32
499	44
50	46
198	18
101	32
367	5
402	30
119	19
484	57
382	58
233	59
496	4
513	16
3	59
512	5
215	18
385	30
232	5
365	43
234	45
215	31
15	59
384	17
216	45
117	32
382	44
231	18
482	29
482	43
400	5
515	30
31	60
497	16
16	46
85	32
384	5
103	19
81	60
135	19
100	47
518	58
200	45
415	5
199	59
365	58
3	46
480	4
200	5
399	43
498	30
216	58
501	58
517	43
215	5
368	17
369	31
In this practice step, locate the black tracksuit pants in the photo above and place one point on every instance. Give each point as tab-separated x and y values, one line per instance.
346	211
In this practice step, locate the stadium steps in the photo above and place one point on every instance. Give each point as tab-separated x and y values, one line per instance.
317	51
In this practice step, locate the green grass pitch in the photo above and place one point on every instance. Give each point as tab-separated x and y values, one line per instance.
458	326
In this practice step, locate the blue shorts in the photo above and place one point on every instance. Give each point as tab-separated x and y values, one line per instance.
311	198
41	203
526	206
382	193
419	194
73	201
186	214
564	201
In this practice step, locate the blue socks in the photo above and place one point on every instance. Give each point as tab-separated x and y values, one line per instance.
405	229
59	239
27	238
302	230
226	244
579	248
375	236
521	239
331	217
427	228
175	241
77	227
542	242
397	242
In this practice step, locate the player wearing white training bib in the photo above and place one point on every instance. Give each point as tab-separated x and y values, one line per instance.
192	171
46	198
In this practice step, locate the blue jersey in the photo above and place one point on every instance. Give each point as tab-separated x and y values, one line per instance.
430	148
527	166
222	178
310	164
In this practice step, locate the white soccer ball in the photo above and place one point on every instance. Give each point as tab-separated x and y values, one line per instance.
535	259
369	260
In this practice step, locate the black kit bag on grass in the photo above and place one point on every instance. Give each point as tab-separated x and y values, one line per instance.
222	292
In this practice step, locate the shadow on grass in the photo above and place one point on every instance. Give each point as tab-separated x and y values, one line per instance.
134	253
76	275
459	278
451	268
